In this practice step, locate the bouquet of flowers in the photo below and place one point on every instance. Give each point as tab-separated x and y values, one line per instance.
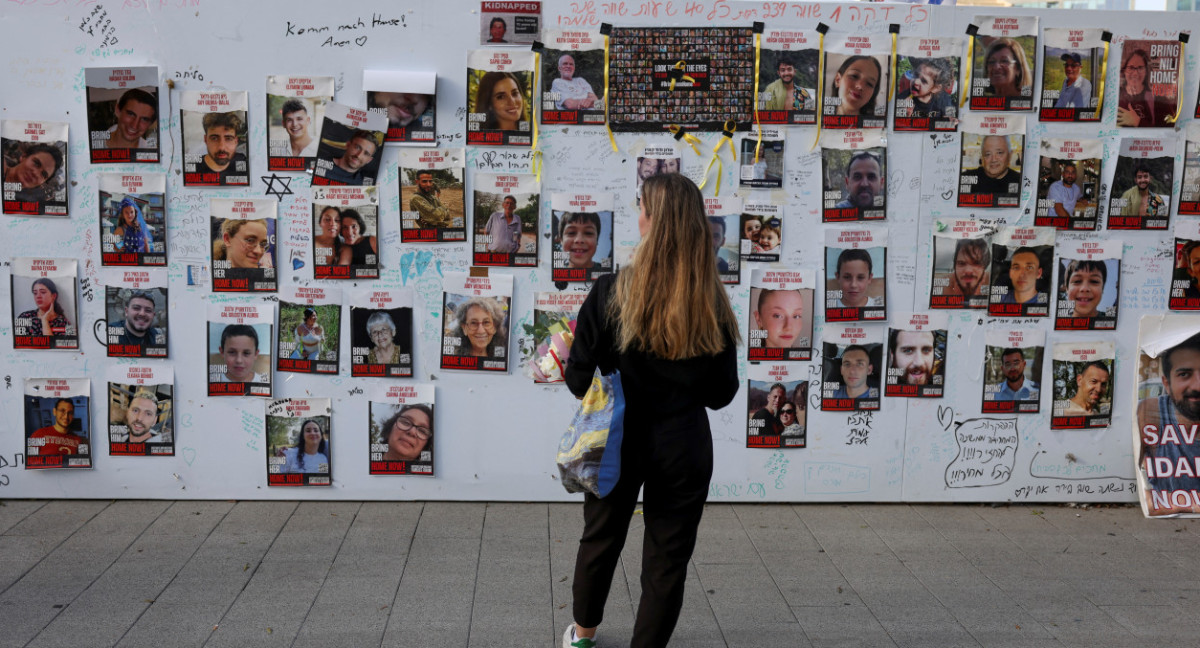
550	359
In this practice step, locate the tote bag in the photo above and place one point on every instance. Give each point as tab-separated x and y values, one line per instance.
589	455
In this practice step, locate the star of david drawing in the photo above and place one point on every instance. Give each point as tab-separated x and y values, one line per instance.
283	189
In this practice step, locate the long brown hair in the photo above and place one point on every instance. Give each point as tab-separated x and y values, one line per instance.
670	301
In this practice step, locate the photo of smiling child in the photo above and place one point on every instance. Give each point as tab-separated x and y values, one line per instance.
927	87
856	71
239	349
855	275
768	242
583	236
1089	284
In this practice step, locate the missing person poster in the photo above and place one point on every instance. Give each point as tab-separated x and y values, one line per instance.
1149	83
572	77
432	198
927	83
762	161
215	144
962	258
409	101
401	432
35	167
349	152
781	315
1005	58
310	330
856	78
855	275
1068	189
916	355
1189	193
656	160
58	423
1022	261
381	333
694	78
1185	273
476	311
1074	72
509	23
548	343
499	98
295	112
993	147
853	175
133	223
582	227
506	209
299	448
44	304
141	412
122	114
243	244
788	74
1089	284
1140	197
1167	416
777	406
345	232
135	303
1083	384
1012	369
724	218
764	220
850	353
239	349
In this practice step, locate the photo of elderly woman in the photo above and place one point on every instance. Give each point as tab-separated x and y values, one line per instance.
298	448
402	438
381	342
132	220
475	332
43	304
34	172
499	98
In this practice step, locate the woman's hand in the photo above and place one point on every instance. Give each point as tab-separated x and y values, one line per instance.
1126	117
46	318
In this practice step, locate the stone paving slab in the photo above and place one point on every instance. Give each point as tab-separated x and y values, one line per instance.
212	574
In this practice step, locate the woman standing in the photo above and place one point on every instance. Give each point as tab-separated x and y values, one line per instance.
309	336
666	323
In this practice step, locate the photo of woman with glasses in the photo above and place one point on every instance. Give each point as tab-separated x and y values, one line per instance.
243	254
402	434
479	328
1007	69
1137	105
381	342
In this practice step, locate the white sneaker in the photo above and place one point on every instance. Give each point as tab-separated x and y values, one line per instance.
571	641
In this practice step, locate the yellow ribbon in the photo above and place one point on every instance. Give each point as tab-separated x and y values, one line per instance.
891	97
537	166
820	91
966	91
1179	85
607	126
1103	74
757	62
726	138
681	134
537	66
679	65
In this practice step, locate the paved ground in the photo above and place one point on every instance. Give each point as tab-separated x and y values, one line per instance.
177	574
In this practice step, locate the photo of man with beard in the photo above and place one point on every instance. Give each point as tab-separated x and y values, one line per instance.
864	182
1173	412
1016	387
136	335
916	361
968	278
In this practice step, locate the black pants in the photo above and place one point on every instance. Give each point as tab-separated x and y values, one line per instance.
674	459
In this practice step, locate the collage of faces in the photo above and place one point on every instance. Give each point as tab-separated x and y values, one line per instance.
868	349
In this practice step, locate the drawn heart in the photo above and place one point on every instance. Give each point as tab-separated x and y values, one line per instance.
297	263
189	455
360	41
947	194
945	416
488	157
